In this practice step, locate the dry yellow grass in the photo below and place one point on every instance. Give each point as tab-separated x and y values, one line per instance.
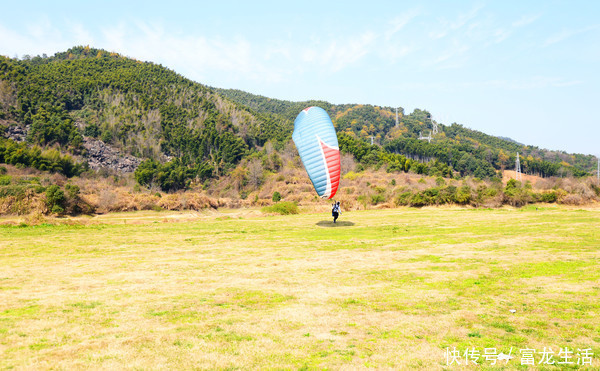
234	289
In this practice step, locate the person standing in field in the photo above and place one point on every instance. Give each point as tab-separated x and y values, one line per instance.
335	210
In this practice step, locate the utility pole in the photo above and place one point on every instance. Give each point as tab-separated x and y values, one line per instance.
396	116
427	138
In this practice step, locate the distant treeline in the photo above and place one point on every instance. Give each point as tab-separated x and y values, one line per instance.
190	132
450	146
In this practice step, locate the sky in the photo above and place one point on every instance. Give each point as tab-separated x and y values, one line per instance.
528	70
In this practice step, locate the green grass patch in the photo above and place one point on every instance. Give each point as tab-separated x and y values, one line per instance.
86	305
283	208
389	290
25	312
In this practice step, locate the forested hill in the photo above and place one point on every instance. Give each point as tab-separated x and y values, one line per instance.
142	108
187	131
366	121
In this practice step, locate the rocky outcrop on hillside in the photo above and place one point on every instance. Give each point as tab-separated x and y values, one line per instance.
97	153
100	155
16	133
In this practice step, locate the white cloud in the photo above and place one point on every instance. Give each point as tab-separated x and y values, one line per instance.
279	49
81	35
394	53
232	58
503	33
39	38
532	83
399	22
464	18
450	26
113	37
340	54
453	56
11	40
566	33
209	59
197	57
535	82
525	20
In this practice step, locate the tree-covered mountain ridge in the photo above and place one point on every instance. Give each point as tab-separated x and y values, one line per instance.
186	131
139	107
379	124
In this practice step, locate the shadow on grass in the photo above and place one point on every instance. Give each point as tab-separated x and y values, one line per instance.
330	223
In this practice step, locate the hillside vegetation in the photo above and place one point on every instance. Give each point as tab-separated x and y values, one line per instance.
34	195
145	109
453	143
228	143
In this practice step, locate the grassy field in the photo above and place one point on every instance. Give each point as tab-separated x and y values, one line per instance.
383	289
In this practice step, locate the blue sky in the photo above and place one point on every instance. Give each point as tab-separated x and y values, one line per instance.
529	70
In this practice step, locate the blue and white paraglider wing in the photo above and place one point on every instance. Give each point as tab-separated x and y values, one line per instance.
315	138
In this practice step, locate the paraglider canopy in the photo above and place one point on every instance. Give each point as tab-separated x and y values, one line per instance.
316	140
